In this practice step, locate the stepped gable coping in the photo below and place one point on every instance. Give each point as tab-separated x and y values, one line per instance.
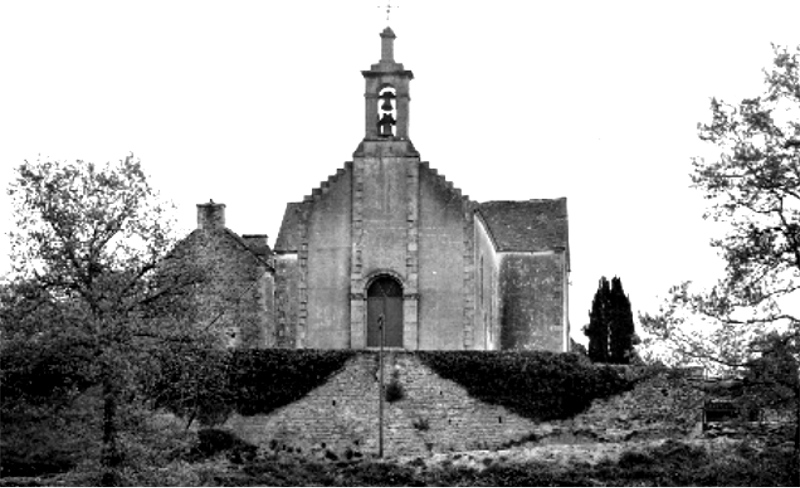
294	218
527	225
450	186
324	186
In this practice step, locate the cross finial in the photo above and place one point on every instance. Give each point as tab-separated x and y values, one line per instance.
388	8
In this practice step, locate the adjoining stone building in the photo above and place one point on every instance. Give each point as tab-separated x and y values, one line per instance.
388	239
235	296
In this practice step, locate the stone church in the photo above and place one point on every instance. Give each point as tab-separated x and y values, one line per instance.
388	249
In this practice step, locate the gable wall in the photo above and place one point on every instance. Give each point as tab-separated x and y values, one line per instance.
441	264
327	268
383	233
384	213
398	216
235	297
532	301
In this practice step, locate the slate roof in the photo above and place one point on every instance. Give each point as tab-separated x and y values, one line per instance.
527	226
289	236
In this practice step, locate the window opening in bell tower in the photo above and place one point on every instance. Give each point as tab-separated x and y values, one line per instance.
387	112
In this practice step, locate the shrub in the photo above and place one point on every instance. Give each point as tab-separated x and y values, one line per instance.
536	385
214	441
421	424
635	459
266	379
678	455
379	474
772	466
394	391
41	439
208	384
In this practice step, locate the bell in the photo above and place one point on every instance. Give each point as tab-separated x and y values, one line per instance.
387	96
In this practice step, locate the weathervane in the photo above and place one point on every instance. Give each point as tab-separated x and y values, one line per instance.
389	8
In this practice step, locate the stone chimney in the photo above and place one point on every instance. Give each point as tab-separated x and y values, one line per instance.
257	243
210	215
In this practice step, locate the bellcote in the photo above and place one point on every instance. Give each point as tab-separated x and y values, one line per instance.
386	99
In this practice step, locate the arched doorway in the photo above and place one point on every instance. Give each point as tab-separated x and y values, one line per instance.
385	298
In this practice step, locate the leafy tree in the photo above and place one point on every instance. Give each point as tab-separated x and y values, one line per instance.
193	382
753	187
597	330
91	262
621	333
771	379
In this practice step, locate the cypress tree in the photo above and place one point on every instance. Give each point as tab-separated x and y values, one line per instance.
620	324
597	330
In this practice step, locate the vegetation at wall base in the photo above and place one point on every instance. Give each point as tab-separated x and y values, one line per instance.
168	454
671	463
537	385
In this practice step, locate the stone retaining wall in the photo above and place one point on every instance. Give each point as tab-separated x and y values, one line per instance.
663	405
340	418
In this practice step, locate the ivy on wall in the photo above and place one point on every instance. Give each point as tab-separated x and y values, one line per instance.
209	385
266	379
536	385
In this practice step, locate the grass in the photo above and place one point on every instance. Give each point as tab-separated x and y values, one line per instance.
671	463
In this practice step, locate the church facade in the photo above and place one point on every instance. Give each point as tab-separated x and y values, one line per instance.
388	251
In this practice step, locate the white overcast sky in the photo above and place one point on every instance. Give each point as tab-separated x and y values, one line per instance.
253	103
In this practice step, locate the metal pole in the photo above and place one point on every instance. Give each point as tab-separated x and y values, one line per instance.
380	392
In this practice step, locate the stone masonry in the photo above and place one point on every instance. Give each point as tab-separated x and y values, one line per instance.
236	295
434	415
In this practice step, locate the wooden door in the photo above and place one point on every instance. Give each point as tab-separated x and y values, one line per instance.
385	298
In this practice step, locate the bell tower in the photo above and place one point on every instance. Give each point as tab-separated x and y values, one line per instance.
384	217
386	105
